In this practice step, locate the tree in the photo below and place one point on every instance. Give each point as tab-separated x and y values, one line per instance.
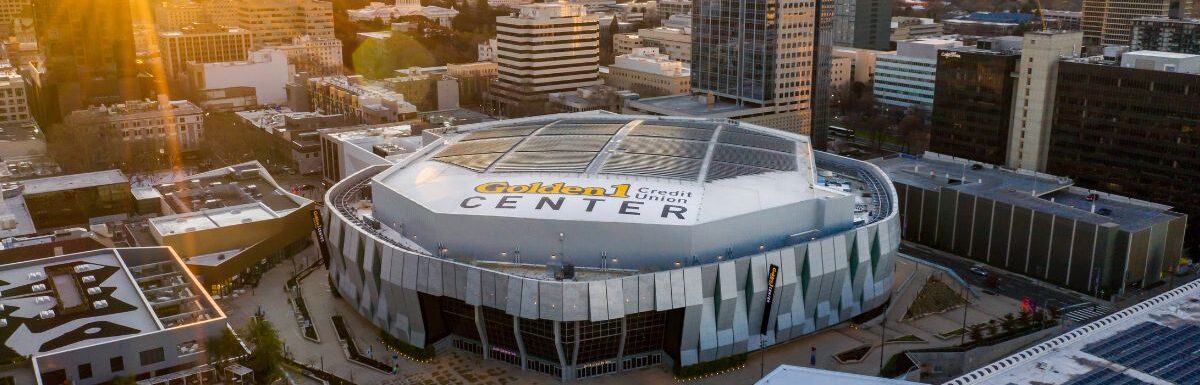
1024	320
1008	323
266	358
991	327
912	129
975	332
223	347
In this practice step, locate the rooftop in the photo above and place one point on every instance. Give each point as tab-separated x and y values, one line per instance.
689	105
1152	342
74	181
131	109
228	196
391	141
65	302
789	375
1038	192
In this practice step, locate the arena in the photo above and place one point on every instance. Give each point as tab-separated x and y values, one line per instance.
579	245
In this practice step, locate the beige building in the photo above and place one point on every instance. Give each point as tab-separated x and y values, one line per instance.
625	43
176	124
841	72
906	28
14	103
9	10
222	12
862	62
544	48
649	73
358	100
277	22
1110	22
676	43
172	15
319	57
202	43
1029	134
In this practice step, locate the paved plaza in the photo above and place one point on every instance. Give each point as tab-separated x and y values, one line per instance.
452	366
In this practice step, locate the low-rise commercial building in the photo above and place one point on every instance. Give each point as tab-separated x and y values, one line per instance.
862	63
1034	224
91	317
293	135
229	224
649	73
673	42
908	28
317	57
591	98
359	100
1166	34
346	151
905	79
266	71
169	125
69	200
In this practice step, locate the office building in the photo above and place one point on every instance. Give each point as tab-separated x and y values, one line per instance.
862	63
14	103
862	23
173	15
222	12
562	55
385	12
360	101
676	43
668	8
905	79
346	151
265	71
10	11
1033	107
278	22
1110	22
980	28
840	73
91	317
317	57
649	74
89	51
201	43
228	224
174	126
1167	35
1129	127
68	200
1037	225
1143	343
1064	20
908	28
292	135
763	72
625	296
590	98
972	109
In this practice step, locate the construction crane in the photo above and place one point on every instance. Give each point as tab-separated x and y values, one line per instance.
1042	14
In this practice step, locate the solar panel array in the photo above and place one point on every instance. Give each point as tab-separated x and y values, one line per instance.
1154	349
664	149
1104	376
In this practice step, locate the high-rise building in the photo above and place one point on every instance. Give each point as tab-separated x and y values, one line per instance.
972	108
544	48
89	51
905	79
14	103
278	22
1110	22
9	10
1041	52
1131	128
1166	34
202	43
862	23
172	15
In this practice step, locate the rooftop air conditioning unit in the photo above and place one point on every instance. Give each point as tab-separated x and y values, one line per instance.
93	291
88	279
46	314
39	287
100	304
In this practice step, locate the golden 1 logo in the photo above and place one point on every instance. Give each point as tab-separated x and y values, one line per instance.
624	198
560	188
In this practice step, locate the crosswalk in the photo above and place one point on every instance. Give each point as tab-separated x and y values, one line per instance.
1084	313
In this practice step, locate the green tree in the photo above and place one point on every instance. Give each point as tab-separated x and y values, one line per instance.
266	357
975	332
222	348
992	327
1008	323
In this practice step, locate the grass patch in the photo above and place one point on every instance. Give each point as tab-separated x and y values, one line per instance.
935	297
906	338
951	334
853	355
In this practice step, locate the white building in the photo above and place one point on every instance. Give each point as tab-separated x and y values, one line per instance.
266	70
862	62
105	314
175	124
14	103
385	12
668	8
545	48
487	51
673	42
649	74
906	78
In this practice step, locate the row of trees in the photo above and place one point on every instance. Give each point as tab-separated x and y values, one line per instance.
1012	324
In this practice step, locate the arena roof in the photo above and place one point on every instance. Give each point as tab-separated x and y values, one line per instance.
681	161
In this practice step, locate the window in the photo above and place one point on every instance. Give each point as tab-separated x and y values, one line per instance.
85	371
152	356
116	364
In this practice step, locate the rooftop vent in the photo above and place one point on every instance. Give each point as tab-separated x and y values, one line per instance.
93	291
100	304
39	287
46	314
88	279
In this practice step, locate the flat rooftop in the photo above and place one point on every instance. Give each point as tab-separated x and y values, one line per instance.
1153	342
74	181
396	140
789	375
69	301
1035	191
688	105
228	196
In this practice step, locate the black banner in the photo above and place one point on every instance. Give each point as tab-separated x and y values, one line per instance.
772	274
322	242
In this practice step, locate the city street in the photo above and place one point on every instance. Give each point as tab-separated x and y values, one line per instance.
1009	285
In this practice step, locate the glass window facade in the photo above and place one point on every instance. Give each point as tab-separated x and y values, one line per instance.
734	48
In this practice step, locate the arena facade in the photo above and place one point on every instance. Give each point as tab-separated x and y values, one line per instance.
675	227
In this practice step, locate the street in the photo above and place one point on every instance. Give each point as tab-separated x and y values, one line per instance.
1009	285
